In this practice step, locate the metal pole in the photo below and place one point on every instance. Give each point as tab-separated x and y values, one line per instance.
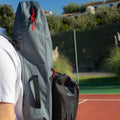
76	59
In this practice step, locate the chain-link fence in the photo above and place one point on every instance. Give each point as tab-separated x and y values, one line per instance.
92	46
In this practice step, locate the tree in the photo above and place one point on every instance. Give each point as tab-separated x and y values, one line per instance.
65	26
72	7
54	23
83	7
7	16
118	6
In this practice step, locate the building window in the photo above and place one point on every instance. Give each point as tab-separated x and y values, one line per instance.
111	5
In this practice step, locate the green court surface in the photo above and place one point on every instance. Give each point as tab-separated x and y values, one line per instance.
111	89
99	85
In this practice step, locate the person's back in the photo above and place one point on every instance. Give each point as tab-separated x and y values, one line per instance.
11	90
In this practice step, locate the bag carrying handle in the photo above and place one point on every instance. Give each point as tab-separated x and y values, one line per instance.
37	92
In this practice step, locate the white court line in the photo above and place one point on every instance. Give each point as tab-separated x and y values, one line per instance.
82	101
100	99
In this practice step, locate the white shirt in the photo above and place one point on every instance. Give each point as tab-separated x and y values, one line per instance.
11	89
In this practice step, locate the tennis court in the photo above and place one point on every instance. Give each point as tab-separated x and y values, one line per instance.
99	107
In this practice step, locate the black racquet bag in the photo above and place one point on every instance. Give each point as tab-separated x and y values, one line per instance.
65	95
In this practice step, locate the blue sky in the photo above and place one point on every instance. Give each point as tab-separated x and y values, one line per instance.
50	5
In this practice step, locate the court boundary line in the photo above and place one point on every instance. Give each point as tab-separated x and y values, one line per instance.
82	101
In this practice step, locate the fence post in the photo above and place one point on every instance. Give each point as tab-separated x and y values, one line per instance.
76	59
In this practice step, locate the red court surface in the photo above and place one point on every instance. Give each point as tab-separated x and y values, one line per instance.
99	107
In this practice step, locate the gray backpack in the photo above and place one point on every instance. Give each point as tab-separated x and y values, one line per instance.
33	42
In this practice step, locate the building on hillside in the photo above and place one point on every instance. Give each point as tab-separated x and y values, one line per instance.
104	3
46	12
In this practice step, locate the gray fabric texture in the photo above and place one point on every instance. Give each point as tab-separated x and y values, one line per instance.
35	51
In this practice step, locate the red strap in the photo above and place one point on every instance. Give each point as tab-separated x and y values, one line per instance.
33	19
54	73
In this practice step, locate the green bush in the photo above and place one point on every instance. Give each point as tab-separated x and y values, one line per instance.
103	16
118	6
63	65
72	7
65	27
7	16
82	22
83	7
54	23
113	61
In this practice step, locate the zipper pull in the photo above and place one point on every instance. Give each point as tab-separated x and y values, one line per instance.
33	19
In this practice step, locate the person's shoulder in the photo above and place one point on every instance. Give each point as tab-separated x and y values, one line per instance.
7	47
4	41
